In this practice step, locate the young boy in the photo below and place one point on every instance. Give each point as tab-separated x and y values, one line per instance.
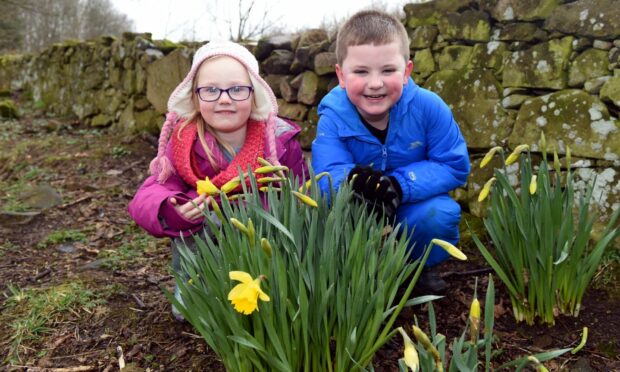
396	142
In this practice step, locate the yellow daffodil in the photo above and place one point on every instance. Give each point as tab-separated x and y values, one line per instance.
489	155
451	249
410	353
486	189
244	296
533	184
514	156
305	199
231	185
474	318
206	187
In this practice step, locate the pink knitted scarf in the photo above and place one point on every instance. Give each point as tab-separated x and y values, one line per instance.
185	162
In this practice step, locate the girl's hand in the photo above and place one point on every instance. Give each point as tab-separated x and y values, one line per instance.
188	210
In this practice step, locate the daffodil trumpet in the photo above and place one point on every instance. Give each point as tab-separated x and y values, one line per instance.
244	296
410	354
206	187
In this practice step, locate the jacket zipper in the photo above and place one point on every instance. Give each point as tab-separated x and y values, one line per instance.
384	157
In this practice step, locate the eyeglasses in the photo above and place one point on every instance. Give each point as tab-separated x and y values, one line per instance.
236	93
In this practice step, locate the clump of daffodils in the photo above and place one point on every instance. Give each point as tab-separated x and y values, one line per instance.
541	234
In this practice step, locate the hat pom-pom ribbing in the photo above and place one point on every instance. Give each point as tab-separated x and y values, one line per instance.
161	166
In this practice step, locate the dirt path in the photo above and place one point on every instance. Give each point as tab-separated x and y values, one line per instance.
81	282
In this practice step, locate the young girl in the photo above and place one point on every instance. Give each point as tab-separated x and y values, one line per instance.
222	116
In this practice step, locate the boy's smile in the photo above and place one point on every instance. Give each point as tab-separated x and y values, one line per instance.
373	77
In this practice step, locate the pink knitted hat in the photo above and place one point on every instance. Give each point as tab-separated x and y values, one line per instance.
181	107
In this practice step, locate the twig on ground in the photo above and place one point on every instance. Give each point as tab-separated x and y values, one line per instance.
138	301
83	198
64	369
485	270
42	274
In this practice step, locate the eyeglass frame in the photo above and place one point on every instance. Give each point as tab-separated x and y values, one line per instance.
251	88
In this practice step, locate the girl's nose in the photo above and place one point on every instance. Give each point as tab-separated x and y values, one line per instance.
224	98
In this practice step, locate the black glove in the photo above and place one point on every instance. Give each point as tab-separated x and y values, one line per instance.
364	180
380	193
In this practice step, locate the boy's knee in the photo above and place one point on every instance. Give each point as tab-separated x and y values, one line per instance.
438	216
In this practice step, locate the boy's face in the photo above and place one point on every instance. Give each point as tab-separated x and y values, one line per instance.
374	76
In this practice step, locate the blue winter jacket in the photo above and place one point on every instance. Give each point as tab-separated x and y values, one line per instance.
424	149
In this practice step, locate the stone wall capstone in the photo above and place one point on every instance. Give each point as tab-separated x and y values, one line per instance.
508	69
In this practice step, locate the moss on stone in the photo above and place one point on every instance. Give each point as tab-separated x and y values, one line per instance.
8	109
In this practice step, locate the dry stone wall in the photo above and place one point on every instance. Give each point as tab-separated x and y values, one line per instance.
508	69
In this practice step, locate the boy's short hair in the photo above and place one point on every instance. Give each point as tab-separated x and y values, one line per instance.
371	27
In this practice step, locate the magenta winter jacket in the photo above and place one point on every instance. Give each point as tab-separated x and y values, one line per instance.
153	212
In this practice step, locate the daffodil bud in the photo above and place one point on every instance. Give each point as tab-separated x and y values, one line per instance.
450	248
264	162
216	208
266	188
474	318
270	179
514	156
568	158
239	225
428	345
533	184
251	231
486	189
543	144
305	199
266	246
489	155
270	169
231	185
309	182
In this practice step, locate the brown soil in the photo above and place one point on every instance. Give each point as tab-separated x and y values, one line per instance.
97	174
